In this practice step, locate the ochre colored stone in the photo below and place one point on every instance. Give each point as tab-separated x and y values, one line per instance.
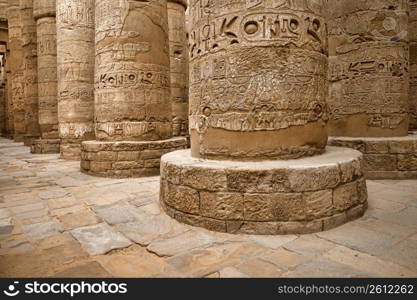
75	54
385	157
16	69
368	68
193	191
30	72
258	84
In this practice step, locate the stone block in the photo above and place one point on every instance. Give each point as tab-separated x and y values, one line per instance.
181	198
204	178
221	205
345	196
314	179
407	162
381	162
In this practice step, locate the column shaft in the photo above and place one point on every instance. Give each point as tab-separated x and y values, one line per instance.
369	58
178	51
413	64
16	69
30	71
75	52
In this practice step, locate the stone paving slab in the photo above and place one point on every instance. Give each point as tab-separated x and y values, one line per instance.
60	222
99	239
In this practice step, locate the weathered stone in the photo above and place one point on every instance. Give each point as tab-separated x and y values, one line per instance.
44	14
376	35
182	198
116	213
99	239
6	226
311	185
180	243
407	162
30	71
16	69
75	65
77	219
42	230
178	52
386	157
221	206
345	196
236	119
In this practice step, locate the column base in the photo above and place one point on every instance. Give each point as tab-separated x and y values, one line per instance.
126	159
28	140
385	157
45	146
267	198
19	138
70	150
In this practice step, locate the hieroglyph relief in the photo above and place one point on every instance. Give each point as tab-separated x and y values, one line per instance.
273	72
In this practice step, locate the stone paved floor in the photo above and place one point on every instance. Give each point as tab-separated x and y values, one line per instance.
56	221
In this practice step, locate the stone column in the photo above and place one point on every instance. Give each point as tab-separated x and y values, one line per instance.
258	89
369	85
2	91
133	114
44	13
8	96
30	72
179	66
75	50
16	69
3	82
368	68
413	64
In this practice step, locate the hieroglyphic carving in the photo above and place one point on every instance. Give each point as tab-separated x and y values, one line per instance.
16	69
369	73
413	64
30	70
44	13
257	66
75	54
132	71
179	66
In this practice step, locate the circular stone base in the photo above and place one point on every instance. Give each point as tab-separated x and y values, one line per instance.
384	158
45	146
270	197
126	159
28	140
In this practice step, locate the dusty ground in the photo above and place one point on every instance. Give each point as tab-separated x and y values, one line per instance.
56	221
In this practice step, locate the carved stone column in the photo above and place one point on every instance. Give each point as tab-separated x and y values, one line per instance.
258	89
413	64
2	91
368	68
369	85
8	95
75	50
133	111
16	69
179	66
44	13
30	72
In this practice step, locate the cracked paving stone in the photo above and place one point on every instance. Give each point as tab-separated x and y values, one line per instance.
42	230
186	241
53	194
149	228
116	213
77	219
6	226
5	213
99	239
